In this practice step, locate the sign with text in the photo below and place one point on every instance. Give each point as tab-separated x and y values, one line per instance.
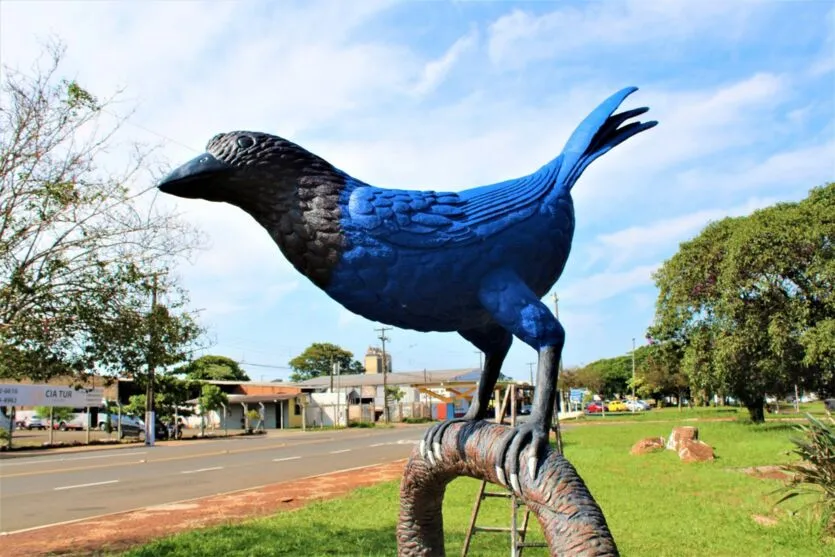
14	394
576	396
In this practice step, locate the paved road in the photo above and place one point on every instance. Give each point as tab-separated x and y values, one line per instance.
41	490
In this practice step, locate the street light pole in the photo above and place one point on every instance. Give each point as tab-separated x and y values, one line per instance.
150	418
383	338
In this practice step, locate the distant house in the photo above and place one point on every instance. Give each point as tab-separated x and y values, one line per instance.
439	394
280	404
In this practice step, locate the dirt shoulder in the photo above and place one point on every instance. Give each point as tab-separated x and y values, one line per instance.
127	529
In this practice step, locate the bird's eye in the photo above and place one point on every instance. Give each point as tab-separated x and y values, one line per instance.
245	142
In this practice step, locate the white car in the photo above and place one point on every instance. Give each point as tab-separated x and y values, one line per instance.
637	405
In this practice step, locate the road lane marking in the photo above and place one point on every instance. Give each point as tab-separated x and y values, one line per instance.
338	452
190	499
202	470
398	442
85	485
286	458
26	461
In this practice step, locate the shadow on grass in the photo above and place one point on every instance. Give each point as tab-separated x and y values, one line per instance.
262	538
770	427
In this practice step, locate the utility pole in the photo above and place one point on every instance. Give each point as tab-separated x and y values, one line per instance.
336	368
383	338
150	418
480	365
633	368
557	315
530	366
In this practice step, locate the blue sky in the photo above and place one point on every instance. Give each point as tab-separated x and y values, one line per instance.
449	95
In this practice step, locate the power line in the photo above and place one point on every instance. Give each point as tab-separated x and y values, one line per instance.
263	365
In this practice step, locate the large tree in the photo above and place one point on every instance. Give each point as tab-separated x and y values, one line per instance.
749	302
219	368
613	375
319	358
79	241
660	374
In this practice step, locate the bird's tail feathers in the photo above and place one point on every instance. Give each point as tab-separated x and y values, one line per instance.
599	133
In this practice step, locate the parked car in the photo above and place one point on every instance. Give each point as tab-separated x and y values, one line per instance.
616	406
596	407
132	427
114	421
137	429
77	422
637	405
35	422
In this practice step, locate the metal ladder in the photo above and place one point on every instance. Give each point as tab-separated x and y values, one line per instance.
517	535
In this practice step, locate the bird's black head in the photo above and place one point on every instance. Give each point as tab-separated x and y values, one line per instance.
239	166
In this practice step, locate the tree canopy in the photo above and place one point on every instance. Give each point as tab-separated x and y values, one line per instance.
218	368
170	395
748	306
80	245
318	360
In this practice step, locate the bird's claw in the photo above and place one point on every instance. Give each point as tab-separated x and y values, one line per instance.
430	446
530	435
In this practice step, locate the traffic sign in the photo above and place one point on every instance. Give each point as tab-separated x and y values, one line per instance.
15	394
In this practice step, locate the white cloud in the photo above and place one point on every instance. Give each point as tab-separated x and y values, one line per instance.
481	139
435	72
801	168
641	241
601	286
520	37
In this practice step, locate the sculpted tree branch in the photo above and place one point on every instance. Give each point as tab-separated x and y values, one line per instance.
571	520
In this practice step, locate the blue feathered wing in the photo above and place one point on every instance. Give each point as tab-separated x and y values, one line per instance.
429	219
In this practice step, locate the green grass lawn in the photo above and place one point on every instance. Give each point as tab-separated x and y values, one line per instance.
654	504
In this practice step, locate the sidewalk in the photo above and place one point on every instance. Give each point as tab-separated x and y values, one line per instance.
189	440
121	531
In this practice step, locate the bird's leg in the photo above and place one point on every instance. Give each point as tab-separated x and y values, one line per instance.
516	308
537	429
495	343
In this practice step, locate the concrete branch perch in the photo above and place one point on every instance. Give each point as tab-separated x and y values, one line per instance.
571	520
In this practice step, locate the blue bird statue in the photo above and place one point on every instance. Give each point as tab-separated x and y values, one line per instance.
477	262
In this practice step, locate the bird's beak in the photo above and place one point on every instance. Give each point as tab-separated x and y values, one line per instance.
196	179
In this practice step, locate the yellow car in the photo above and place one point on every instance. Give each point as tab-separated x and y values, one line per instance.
617	406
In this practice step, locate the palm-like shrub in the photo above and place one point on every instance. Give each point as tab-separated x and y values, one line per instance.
814	475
